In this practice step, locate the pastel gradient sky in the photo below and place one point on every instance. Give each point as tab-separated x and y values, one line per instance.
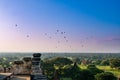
37	26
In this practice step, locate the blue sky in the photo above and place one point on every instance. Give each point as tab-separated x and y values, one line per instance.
90	26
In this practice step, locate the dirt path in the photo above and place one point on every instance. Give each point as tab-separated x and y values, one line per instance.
21	78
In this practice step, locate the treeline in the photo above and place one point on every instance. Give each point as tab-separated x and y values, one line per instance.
60	67
67	65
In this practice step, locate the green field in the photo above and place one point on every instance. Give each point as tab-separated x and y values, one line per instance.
109	69
105	68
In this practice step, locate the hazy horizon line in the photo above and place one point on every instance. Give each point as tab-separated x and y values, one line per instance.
60	52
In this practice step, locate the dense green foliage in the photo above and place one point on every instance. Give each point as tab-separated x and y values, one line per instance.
105	62
60	61
68	69
115	63
93	69
72	66
50	65
105	76
7	61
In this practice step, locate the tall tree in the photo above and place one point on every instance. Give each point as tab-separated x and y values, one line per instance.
94	69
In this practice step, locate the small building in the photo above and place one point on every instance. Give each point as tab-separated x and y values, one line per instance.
23	66
27	65
18	67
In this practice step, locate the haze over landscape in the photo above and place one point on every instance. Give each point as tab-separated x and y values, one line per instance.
59	26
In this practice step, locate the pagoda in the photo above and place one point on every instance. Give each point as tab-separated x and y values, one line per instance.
36	73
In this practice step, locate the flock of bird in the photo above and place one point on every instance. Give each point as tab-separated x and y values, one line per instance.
16	25
61	33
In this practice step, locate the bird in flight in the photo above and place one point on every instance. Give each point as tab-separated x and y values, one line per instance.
82	45
27	36
65	37
61	32
57	30
45	33
16	25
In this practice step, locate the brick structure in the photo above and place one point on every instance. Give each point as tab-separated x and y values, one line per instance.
36	73
17	67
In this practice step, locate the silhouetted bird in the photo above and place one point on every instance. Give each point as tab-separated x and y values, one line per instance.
61	32
16	25
65	37
27	36
57	30
45	33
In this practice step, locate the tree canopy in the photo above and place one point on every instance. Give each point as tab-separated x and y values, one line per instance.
115	63
105	76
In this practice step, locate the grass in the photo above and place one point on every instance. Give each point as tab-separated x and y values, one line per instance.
109	69
83	66
104	68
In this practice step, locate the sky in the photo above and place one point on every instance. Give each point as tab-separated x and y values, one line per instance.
60	26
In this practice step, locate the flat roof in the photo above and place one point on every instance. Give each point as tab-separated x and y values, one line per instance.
4	75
